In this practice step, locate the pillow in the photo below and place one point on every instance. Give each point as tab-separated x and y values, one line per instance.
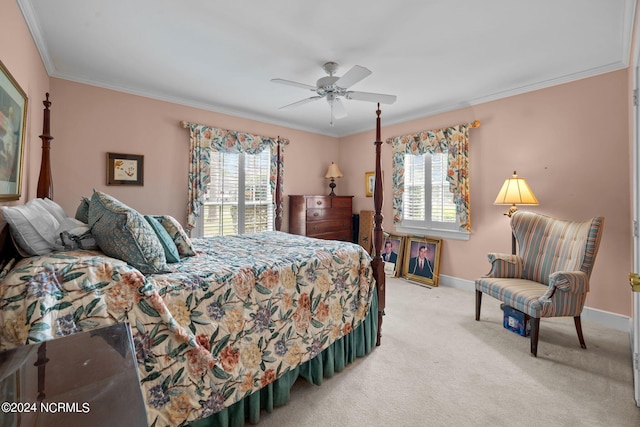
53	208
32	227
170	249
74	234
177	233
121	232
82	213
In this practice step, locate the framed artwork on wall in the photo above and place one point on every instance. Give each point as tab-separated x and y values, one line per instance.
422	260
370	183
13	118
125	169
392	252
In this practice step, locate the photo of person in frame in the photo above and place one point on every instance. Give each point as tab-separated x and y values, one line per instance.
422	259
390	251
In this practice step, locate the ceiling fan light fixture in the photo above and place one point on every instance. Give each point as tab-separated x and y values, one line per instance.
333	87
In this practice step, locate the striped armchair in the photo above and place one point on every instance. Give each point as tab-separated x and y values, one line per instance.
550	276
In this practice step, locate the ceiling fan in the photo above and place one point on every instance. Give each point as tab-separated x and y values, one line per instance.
333	87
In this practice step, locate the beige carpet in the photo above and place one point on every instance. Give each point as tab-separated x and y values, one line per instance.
437	366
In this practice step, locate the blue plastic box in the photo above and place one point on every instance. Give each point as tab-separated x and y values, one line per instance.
516	321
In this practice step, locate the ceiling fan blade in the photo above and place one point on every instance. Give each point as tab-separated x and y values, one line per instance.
337	108
296	84
353	76
298	103
371	97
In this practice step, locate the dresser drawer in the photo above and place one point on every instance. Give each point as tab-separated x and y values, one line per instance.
326	202
344	236
324	214
325	226
341	202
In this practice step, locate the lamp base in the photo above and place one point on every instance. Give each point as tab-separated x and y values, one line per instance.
513	209
332	185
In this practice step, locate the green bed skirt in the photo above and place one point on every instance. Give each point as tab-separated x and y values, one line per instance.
333	359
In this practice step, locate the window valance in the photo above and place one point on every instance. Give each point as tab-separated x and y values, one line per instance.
455	141
205	139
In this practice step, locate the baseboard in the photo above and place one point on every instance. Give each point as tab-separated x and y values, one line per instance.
601	317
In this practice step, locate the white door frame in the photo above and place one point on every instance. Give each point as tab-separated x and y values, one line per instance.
635	322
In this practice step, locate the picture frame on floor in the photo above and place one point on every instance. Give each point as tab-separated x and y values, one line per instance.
392	252
421	261
13	118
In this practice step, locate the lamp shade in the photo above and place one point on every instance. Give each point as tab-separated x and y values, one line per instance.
333	171
515	191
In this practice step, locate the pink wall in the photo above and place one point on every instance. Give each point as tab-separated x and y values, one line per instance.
88	122
571	142
20	56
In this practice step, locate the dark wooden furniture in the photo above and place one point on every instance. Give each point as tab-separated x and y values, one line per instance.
45	183
322	217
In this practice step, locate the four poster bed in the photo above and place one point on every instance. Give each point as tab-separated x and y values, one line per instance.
220	334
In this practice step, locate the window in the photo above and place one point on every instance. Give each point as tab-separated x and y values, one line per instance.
238	199
427	199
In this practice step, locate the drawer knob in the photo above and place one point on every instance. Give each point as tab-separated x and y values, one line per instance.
319	202
316	214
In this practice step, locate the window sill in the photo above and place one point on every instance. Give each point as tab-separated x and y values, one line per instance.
431	232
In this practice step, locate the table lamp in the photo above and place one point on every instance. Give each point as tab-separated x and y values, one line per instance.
333	172
515	191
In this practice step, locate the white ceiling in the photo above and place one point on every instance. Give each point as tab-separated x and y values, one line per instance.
435	55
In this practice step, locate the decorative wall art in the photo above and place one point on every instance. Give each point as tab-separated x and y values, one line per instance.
13	117
369	183
125	169
422	260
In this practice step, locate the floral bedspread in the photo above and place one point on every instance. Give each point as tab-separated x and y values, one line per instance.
220	326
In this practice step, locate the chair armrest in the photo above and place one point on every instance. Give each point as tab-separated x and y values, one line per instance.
576	282
505	266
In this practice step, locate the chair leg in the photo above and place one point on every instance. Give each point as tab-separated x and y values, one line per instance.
478	303
535	332
578	323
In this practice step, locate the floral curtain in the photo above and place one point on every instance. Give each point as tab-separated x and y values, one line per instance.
204	139
454	140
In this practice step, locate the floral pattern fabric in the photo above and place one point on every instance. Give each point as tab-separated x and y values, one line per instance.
220	326
454	140
204	139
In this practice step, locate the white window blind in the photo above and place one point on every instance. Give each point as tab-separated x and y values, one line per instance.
427	200
238	199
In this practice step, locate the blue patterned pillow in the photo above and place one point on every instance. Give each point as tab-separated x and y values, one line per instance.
170	249
121	232
177	233
82	213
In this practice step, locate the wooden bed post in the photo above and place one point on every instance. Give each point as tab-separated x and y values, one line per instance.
278	192
377	264
45	184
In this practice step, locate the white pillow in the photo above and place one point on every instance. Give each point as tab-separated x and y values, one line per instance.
33	227
53	208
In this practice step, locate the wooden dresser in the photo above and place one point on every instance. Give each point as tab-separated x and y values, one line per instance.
322	217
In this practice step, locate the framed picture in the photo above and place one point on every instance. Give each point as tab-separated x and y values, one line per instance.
125	169
422	260
13	118
392	252
370	183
